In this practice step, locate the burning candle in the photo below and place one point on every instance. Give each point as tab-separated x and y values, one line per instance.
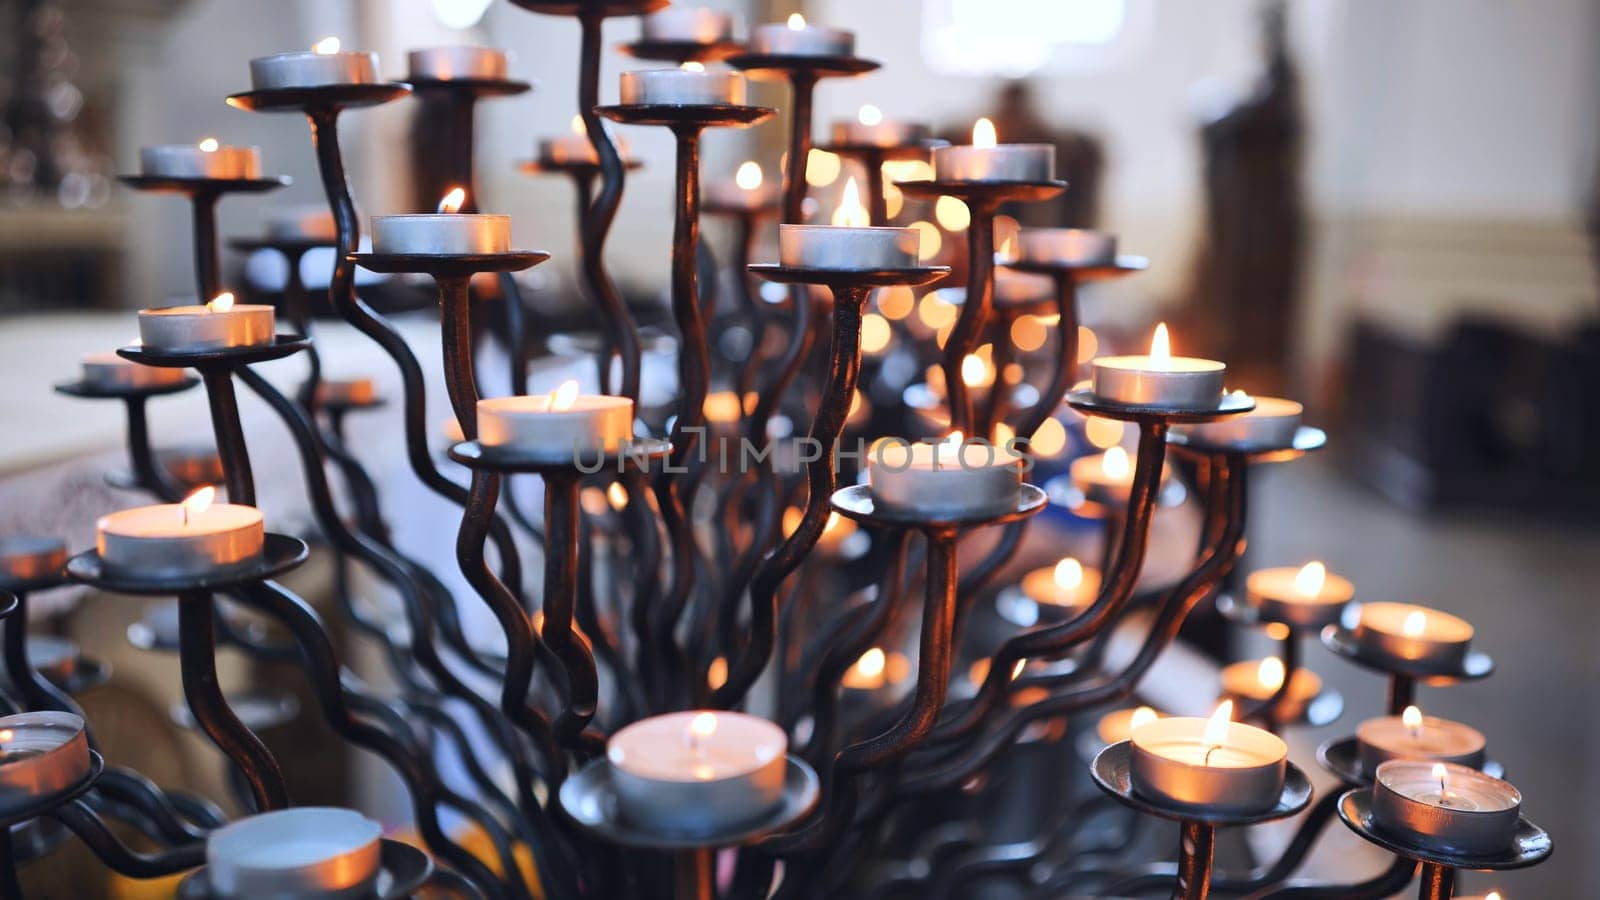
308	851
195	538
1209	765
1066	246
41	753
218	324
748	190
1114	727
849	243
576	147
562	424
443	233
346	391
723	408
111	372
1445	806
951	478
1159	379
449	63
1067	585
1307	597
1411	735
870	129
875	669
1259	680
1272	423
691	84
25	557
325	64
1106	479
699	771
796	38
1413	634
837	531
206	159
985	159
688	25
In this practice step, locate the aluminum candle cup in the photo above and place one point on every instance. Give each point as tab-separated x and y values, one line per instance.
796	38
690	25
170	541
944	480
1169	382
308	851
698	772
1257	680
1413	634
848	248
448	63
110	371
311	68
306	223
882	133
696	86
546	427
1066	246
1272	423
41	753
1446	807
441	234
180	329
1414	736
1307	597
1006	162
207	159
1172	763
1066	586
346	391
29	557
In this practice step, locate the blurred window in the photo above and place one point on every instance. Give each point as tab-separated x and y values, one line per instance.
1012	38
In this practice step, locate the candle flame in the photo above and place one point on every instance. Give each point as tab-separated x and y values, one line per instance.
704	772
1216	733
1114	463
6	734
1270	673
1161	346
703	725
871	663
562	398
1493	895
851	214
1144	715
1415	624
1309	580
1441	775
692	66
983	134
869	115
1411	718
1068	574
326	47
452	201
717	673
578	127
796	22
197	502
953	441
209	145
749	176
617	496
973	370
1017	667
221	302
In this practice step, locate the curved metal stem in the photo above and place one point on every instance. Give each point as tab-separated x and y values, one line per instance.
142	459
81	818
231	444
1197	846
975	312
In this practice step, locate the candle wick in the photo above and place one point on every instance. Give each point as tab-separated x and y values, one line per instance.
1206	760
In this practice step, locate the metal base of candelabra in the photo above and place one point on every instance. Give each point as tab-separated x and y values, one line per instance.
168	184
673	115
279	554
988	193
330	96
403	869
471	87
459	265
590	798
1530	847
1084	273
1091	404
90	391
680	52
1342	758
856	503
1476	665
1306	440
281	346
474	455
604	8
21	808
757	65
1113	772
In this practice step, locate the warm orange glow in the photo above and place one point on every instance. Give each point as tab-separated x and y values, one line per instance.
1270	673
1114	463
692	66
1103	433
717	673
983	134
1412	719
870	115
562	398
749	176
1416	623
1442	775
851	214
221	302
974	371
1068	574
703	725
822	167
209	145
326	47
198	502
6	734
1309	580
453	199
1216	733
871	663
875	333
952	214
1144	715
796	22
578	127
1050	439
617	496
1161	346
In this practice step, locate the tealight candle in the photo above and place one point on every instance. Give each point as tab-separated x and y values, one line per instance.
1114	727
576	147
443	233
1414	634
1067	585
110	371
449	63
1066	246
849	243
1106	479
562	424
1160	379
207	159
748	190
1272	423
1259	680
346	391
1210	765
41	753
1411	735
689	25
796	38
951	478
190	539
985	159
875	669
691	84
307	851
218	324
698	772
1444	806
324	64
26	557
1307	597
310	223
870	129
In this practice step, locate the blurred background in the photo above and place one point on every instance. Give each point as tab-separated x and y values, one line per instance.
1387	210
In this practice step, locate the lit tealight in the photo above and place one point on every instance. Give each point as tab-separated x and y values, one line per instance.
326	47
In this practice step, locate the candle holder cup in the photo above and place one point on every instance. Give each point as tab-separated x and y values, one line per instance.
1089	403
680	52
1341	757
1404	675
467	89
31	563
1306	440
329	97
402	871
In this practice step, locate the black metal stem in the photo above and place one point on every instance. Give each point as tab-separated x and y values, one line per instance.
1197	844
37	691
1402	693
974	316
81	818
581	684
1437	882
694	875
207	257
229	431
142	459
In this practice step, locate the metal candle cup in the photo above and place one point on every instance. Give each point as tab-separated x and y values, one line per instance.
41	753
1428	739
683	87
698	772
1173	382
690	25
1172	763
307	851
1248	682
545	427
882	133
110	371
1413	634
207	159
1005	162
1272	423
847	248
944	480
180	329
441	234
168	541
1278	596
309	68
1470	812
1066	246
448	63
26	558
796	38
